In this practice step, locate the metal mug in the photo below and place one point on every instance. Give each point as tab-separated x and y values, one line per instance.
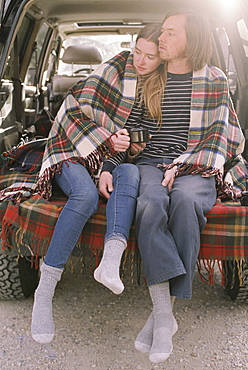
244	198
138	135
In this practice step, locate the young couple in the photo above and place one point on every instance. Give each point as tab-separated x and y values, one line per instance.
167	87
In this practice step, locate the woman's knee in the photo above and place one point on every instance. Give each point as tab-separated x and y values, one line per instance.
129	173
85	198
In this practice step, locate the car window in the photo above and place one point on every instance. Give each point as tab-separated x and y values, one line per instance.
229	65
108	46
38	48
22	39
243	32
3	7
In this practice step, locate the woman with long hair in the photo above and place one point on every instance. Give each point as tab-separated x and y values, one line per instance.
88	129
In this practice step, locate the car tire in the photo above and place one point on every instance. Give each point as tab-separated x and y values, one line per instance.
232	284
18	278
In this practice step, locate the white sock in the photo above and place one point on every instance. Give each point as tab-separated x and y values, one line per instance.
164	323
108	271
143	342
42	327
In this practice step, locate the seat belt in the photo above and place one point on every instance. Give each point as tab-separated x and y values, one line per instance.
17	92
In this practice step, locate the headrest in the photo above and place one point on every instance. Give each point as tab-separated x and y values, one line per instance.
79	54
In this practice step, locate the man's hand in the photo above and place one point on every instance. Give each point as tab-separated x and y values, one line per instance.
169	177
121	140
105	186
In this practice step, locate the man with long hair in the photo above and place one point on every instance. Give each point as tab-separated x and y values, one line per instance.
195	136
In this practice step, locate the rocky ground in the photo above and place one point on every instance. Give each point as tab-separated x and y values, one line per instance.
95	329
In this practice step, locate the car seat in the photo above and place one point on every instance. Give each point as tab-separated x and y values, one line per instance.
74	54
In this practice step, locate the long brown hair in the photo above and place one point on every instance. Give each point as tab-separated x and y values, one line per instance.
152	85
198	34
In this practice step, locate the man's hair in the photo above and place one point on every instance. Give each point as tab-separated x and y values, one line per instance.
150	32
199	42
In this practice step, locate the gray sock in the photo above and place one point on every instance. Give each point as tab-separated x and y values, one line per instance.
108	272
143	342
164	322
42	327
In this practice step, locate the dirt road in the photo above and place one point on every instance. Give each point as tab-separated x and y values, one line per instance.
95	329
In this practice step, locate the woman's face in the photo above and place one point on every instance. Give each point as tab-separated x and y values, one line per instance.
146	57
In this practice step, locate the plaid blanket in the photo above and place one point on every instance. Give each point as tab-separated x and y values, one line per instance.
99	105
215	138
25	157
225	237
93	110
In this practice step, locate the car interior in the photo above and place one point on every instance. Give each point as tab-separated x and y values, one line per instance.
73	55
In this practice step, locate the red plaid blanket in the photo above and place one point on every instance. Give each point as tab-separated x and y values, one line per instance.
225	236
27	227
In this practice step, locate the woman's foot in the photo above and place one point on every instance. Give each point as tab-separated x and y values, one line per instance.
42	327
108	272
102	275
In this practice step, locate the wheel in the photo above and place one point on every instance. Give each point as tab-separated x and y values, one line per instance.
232	284
18	279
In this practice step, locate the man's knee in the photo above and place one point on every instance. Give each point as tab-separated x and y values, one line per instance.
152	200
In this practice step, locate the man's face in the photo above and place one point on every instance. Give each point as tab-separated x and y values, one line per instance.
172	41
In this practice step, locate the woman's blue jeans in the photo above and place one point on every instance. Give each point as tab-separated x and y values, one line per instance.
121	206
168	225
82	203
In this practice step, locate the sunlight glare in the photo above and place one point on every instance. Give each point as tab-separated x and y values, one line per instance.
227	4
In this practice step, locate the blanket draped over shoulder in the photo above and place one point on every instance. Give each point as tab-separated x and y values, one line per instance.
98	106
93	110
215	140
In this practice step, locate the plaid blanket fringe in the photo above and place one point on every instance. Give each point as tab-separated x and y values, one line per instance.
207	269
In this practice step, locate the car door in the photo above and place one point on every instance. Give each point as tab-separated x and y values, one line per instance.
24	41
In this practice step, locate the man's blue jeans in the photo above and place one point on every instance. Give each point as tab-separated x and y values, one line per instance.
82	203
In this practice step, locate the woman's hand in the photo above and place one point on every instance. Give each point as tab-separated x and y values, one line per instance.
120	140
105	186
169	177
136	148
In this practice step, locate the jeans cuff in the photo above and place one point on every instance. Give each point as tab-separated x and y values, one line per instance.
116	236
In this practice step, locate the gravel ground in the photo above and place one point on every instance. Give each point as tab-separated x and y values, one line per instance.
95	329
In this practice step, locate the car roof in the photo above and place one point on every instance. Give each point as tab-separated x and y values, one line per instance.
112	14
129	10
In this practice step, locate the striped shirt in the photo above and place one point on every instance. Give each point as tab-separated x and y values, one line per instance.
170	140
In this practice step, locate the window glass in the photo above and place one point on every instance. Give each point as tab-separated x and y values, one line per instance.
37	52
228	60
243	31
23	36
108	46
